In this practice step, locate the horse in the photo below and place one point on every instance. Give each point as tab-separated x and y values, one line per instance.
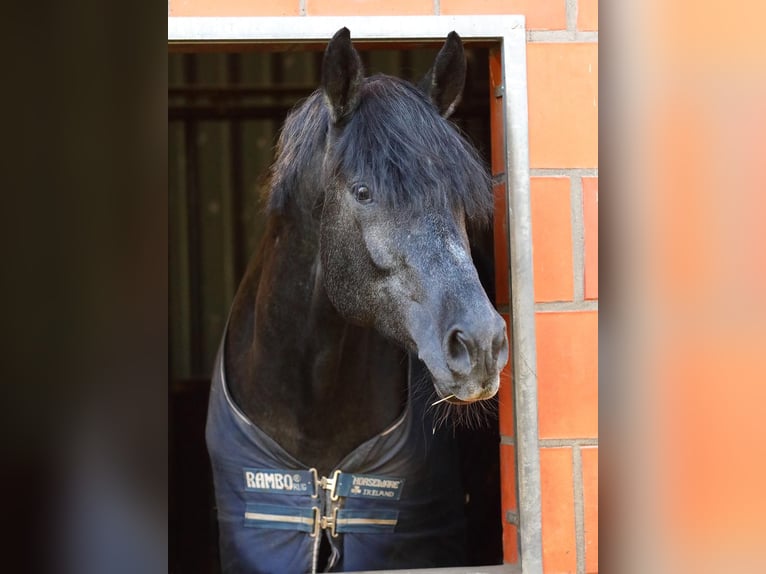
360	307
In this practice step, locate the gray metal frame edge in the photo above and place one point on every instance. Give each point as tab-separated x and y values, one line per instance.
509	30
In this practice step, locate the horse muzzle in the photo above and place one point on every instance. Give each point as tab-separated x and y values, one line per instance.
474	354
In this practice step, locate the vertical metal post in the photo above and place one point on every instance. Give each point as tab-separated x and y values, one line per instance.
514	63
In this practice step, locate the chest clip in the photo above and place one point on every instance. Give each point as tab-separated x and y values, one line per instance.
325	523
329	484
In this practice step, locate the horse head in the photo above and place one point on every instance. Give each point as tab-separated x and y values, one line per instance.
397	186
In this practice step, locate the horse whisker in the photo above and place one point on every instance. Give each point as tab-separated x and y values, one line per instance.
448	397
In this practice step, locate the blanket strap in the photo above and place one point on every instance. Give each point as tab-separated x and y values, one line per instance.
311	519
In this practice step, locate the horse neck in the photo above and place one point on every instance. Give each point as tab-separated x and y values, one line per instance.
316	384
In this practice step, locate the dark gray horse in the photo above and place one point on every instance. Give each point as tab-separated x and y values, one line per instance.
362	289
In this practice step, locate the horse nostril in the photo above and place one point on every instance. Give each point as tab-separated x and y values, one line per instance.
458	352
500	348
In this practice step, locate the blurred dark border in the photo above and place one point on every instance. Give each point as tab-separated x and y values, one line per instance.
84	286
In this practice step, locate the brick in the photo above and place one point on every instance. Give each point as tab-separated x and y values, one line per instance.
500	230
540	14
567	369
587	15
368	8
234	8
510	543
505	404
590	504
509	502
563	105
505	393
590	222
552	239
508	477
558	521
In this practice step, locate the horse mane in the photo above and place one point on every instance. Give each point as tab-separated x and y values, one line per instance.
301	139
395	141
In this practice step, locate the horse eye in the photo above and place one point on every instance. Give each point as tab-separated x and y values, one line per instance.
362	193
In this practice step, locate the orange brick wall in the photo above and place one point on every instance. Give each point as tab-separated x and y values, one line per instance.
562	75
562	61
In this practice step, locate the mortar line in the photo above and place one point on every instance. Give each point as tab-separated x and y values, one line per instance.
571	7
559	36
567	442
507	440
578	237
302	7
553	306
579	509
437	7
563	172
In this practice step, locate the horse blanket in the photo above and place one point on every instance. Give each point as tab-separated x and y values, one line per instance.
396	501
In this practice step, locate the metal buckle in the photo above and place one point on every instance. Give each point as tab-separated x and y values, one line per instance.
317	522
330	522
330	484
316	482
324	522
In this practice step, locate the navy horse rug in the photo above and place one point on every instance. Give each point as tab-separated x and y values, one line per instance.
392	501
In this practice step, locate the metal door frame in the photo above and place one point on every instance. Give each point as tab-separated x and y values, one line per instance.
509	32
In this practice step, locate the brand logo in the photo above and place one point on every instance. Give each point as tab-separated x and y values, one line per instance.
366	486
376	482
274	481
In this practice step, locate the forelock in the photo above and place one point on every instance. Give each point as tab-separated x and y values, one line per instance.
397	142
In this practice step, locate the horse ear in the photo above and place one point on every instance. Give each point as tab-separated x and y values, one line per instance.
444	82
341	75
